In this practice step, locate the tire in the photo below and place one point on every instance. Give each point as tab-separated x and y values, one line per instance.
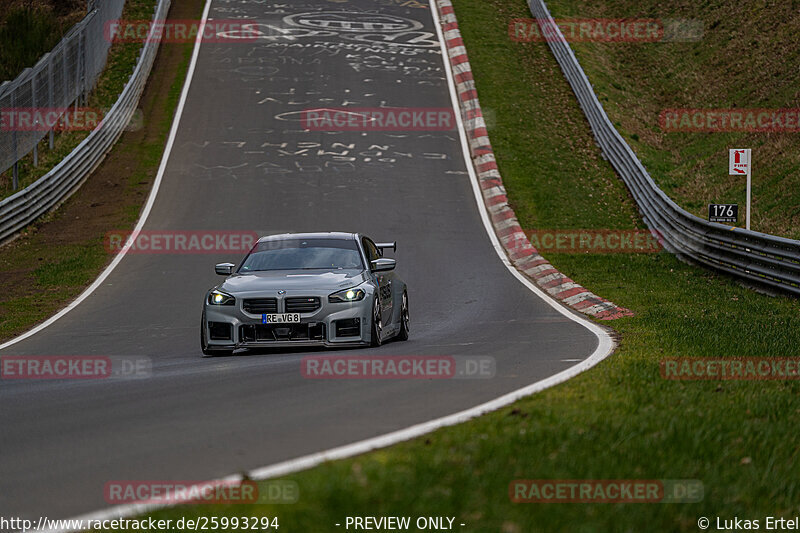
402	335
377	324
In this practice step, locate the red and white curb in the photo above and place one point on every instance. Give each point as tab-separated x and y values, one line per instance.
519	249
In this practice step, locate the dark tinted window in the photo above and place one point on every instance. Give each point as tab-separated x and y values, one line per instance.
303	254
371	250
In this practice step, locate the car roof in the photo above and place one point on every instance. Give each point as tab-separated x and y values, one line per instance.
318	235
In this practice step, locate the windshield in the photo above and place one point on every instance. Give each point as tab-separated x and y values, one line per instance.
303	254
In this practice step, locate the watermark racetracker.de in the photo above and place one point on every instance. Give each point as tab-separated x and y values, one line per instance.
181	31
595	241
227	492
379	119
180	242
81	367
730	368
60	119
755	120
398	367
605	491
608	30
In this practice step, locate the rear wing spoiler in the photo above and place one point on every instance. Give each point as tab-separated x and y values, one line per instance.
382	246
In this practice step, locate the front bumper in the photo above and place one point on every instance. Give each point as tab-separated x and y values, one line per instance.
333	324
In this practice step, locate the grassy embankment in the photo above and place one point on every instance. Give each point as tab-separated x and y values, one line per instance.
746	59
620	420
63	252
20	50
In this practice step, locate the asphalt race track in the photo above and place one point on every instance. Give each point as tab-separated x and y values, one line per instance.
243	161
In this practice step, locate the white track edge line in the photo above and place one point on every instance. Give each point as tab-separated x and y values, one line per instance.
147	207
604	348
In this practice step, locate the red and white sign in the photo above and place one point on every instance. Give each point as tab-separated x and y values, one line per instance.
739	161
739	165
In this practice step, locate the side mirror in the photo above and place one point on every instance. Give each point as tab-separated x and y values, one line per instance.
383	264
224	269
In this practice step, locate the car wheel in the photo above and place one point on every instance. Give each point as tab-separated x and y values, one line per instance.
403	333
377	324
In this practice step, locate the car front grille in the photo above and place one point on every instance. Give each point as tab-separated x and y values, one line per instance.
282	332
257	306
302	305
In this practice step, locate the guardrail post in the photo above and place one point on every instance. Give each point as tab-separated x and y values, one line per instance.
36	114
88	64
15	172
50	99
64	78
78	70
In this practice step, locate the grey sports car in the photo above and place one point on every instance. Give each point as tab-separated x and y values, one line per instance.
304	289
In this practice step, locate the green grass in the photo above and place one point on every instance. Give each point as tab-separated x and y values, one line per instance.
119	66
744	60
66	270
25	35
73	267
63	272
620	420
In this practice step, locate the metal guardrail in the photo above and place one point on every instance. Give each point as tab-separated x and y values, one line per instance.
62	76
50	190
758	257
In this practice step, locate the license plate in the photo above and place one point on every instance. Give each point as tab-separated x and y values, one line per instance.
285	318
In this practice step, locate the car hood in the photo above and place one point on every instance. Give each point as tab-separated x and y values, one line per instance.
291	280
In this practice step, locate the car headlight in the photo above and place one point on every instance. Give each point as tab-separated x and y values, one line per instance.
220	298
347	295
